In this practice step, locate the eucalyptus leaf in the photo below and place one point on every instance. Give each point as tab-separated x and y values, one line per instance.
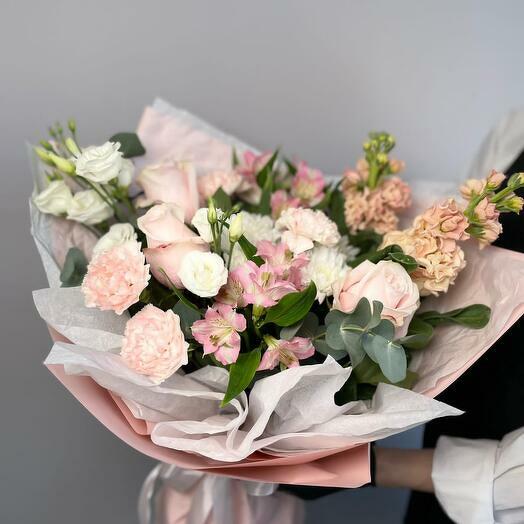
74	268
130	145
240	374
389	355
307	328
292	308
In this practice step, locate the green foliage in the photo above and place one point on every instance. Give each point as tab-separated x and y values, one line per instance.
74	269
249	250
475	316
393	253
367	241
363	332
419	334
265	199
187	317
222	200
263	174
130	144
292	308
241	373
337	211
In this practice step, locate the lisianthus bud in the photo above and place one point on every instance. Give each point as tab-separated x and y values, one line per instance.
236	229
211	212
43	155
63	164
71	146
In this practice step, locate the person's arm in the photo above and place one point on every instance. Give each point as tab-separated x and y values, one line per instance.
476	481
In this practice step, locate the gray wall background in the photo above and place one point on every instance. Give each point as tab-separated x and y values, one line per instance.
311	76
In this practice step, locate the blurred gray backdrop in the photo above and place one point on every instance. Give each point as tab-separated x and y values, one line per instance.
311	76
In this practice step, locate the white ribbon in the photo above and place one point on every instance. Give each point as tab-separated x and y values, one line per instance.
212	495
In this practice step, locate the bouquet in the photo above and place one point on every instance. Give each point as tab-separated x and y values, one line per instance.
240	312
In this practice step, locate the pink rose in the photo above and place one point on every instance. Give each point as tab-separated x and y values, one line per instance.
173	182
154	344
387	282
116	277
169	240
209	183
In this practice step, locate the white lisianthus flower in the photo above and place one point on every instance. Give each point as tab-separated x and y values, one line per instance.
303	228
55	199
125	176
201	223
326	266
100	164
89	208
203	273
117	235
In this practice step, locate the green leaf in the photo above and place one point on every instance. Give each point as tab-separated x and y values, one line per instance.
389	355
406	261
306	327
74	269
366	240
325	349
265	199
343	334
368	372
419	334
337	211
188	316
377	256
475	316
292	307
130	144
292	168
240	374
222	200
266	170
250	251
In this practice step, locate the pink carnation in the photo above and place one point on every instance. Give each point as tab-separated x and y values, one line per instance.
115	278
308	185
154	344
287	352
218	332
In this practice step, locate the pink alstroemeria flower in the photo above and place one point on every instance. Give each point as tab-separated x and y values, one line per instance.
283	262
287	352
280	201
308	185
219	332
249	166
262	285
